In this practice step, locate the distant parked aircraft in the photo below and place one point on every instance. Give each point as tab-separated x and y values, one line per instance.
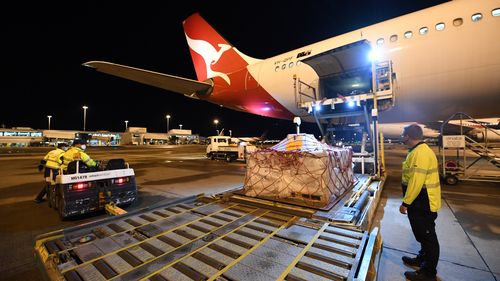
472	128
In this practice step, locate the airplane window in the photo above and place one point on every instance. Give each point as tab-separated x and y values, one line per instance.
424	30
276	68
380	41
283	66
394	38
290	65
458	22
440	26
298	63
496	12
408	34
477	17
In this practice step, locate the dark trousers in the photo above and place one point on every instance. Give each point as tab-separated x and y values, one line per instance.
45	188
423	227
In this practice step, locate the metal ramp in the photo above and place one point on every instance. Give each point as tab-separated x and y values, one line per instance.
207	239
461	155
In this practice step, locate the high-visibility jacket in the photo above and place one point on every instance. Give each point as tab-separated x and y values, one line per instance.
420	171
53	158
74	154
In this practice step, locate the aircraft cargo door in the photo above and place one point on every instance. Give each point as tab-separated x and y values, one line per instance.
343	71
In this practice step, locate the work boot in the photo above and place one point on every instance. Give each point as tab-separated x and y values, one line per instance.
411	261
37	200
419	276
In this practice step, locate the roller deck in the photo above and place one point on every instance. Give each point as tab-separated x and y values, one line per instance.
223	237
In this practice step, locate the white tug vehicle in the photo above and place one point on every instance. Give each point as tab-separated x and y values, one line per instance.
83	190
228	148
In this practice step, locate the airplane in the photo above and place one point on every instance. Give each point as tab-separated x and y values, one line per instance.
474	129
392	131
261	138
444	59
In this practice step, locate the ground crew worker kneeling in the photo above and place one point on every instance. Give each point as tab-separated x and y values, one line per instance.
76	152
51	162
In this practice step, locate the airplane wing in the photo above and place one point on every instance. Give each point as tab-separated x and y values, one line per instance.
187	87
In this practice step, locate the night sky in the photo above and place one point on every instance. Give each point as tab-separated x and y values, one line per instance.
44	46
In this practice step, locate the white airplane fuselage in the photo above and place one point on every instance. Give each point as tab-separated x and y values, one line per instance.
453	67
438	74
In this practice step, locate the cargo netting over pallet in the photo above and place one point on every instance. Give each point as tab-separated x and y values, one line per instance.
300	170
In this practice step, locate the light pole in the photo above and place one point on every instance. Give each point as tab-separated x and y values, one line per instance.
180	126
216	122
49	116
126	125
168	122
84	116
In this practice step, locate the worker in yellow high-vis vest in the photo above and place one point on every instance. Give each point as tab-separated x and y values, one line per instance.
422	200
51	162
77	153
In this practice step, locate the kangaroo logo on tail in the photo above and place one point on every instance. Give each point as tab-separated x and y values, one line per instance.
210	55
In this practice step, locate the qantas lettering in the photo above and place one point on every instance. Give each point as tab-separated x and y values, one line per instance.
303	54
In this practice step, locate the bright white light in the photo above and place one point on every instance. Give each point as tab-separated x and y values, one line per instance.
317	107
266	108
351	104
355	85
374	55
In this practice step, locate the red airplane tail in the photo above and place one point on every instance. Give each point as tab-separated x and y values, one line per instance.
212	55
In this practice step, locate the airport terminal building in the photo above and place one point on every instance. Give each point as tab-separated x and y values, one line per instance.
24	136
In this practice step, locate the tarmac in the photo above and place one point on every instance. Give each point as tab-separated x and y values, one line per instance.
468	224
468	229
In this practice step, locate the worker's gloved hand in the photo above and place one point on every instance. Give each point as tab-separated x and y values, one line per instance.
40	167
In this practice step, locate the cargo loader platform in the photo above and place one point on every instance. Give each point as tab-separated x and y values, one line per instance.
212	238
